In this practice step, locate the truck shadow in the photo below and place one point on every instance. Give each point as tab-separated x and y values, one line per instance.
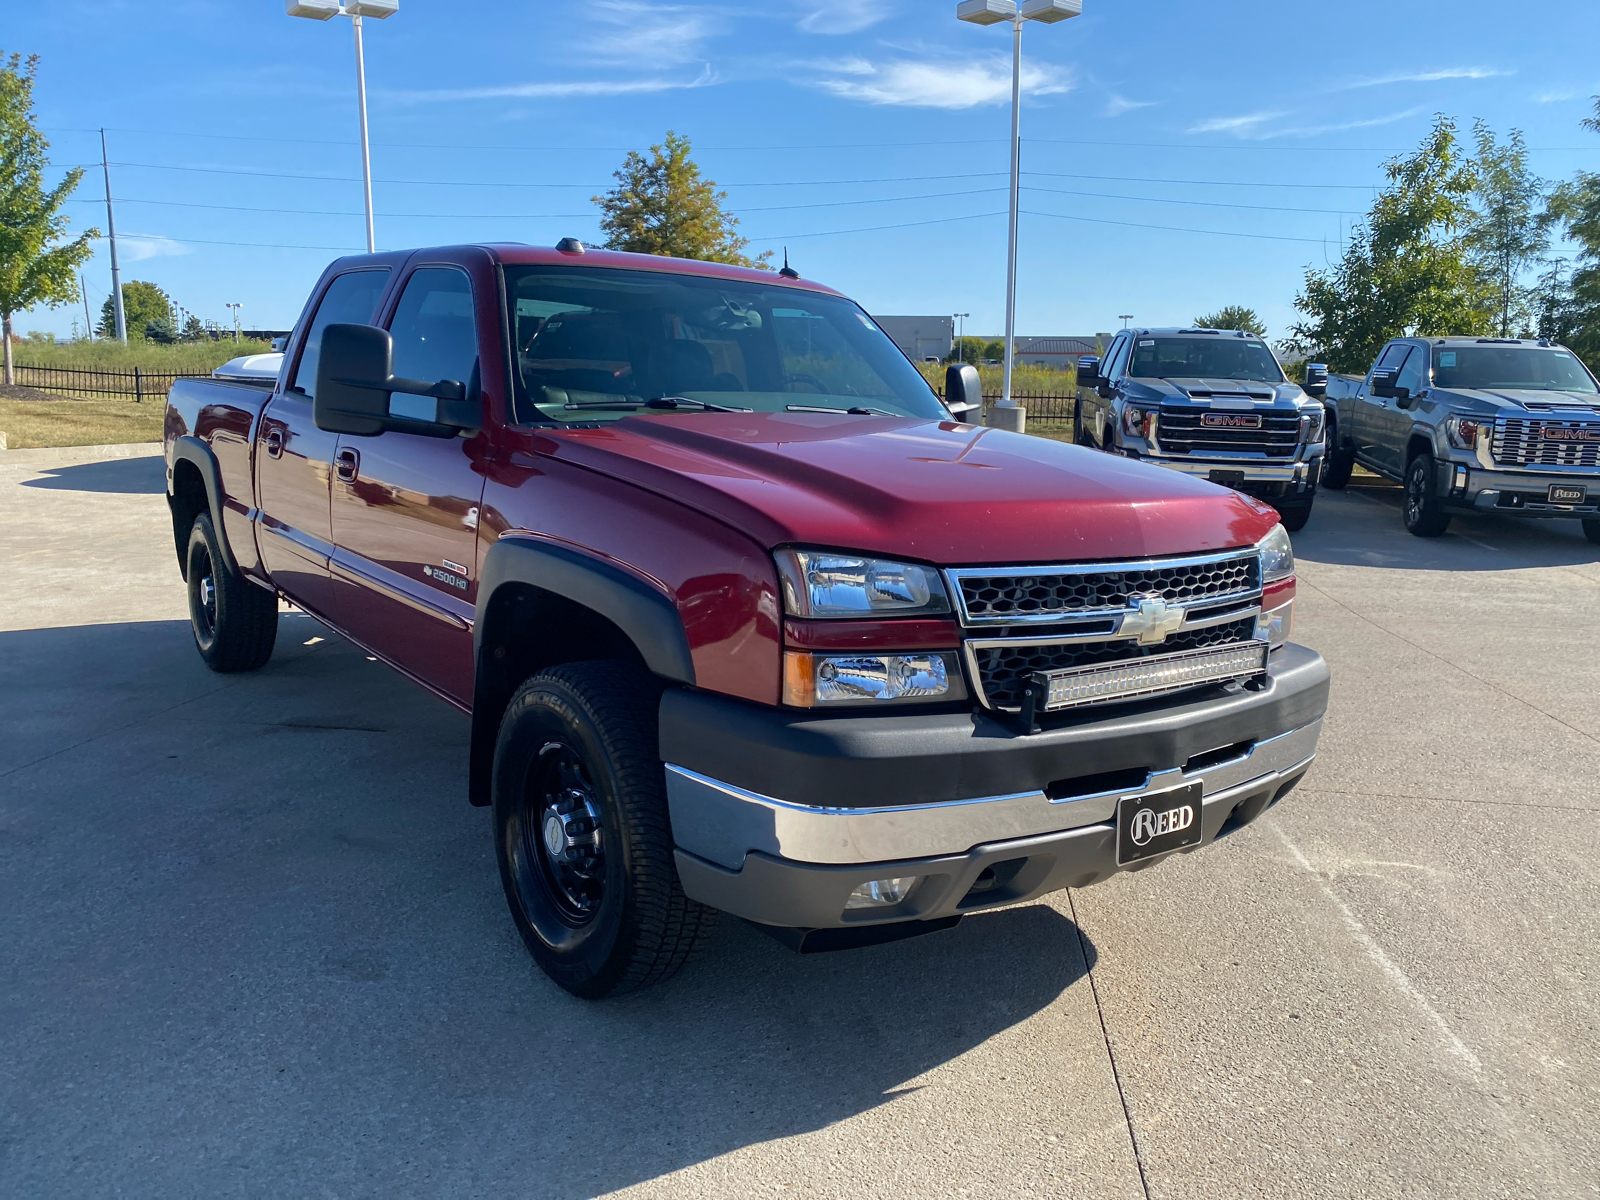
1362	526
286	932
125	476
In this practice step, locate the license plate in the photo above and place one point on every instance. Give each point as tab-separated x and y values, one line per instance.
1567	493
1151	825
1228	478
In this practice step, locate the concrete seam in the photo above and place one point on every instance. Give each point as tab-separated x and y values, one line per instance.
1455	666
1111	1055
1572	808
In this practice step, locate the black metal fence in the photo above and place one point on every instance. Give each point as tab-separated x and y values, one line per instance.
1041	406
136	385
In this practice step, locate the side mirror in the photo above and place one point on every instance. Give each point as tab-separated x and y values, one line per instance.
1402	397
1382	384
1316	380
357	392
1088	370
963	393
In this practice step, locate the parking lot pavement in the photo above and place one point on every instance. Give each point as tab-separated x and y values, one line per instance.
256	945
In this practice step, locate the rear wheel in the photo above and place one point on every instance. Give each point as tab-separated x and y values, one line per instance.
1591	530
235	623
1424	513
582	832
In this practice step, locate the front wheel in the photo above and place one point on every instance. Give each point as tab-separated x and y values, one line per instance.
582	832
1337	466
1294	517
1423	511
1591	530
1080	432
235	623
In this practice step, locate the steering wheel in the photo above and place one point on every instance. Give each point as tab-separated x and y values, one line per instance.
800	377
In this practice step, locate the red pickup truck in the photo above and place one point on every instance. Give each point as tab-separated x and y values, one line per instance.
745	618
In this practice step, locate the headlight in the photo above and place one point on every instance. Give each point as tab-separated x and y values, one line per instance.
1464	432
822	584
812	680
1277	556
1136	422
1311	423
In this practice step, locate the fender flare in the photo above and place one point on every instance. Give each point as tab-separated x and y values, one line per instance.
189	448
644	613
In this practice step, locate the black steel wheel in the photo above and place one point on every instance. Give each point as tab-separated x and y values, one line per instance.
582	833
235	623
1422	510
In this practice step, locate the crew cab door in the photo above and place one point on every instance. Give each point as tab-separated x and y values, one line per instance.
1106	398
1371	426
294	458
1394	423
405	506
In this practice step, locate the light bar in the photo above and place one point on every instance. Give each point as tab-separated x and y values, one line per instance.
1150	676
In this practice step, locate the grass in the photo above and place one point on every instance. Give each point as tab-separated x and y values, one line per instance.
1023	380
177	359
28	424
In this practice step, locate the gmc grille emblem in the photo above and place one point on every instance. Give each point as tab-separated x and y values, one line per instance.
1571	433
1231	420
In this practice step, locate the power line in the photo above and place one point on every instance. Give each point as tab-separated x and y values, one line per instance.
1266	237
1203	203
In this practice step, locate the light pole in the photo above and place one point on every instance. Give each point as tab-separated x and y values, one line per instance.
991	12
961	318
323	10
1124	318
236	308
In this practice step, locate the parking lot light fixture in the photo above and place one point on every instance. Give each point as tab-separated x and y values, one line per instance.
994	12
323	10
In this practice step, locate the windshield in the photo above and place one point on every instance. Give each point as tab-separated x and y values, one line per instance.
1526	368
1221	357
596	345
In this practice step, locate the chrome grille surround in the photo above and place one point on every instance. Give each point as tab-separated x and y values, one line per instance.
1087	609
1520	442
1032	595
1179	432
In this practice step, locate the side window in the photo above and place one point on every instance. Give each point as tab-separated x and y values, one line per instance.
351	299
1119	359
435	336
1414	374
1393	355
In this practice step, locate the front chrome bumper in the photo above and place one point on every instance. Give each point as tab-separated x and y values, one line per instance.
794	866
1293	472
723	823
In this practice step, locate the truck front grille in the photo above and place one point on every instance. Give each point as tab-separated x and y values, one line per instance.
1546	442
1004	671
1044	592
1179	431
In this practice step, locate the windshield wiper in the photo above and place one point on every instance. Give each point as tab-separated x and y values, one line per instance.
671	402
857	411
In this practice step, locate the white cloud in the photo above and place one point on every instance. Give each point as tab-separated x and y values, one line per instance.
560	90
1340	127
1240	125
841	16
664	35
956	83
136	247
1117	105
1555	97
1424	77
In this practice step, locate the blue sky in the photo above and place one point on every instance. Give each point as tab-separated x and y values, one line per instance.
870	138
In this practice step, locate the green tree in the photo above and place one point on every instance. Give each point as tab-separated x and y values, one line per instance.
1506	232
193	330
967	350
994	351
1407	267
662	205
141	303
1233	316
1569	305
36	265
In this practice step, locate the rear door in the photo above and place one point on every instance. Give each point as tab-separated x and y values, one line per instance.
1394	424
405	507
294	458
1370	427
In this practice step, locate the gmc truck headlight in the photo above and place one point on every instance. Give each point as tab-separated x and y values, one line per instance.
1136	422
815	680
818	583
1464	432
1311	424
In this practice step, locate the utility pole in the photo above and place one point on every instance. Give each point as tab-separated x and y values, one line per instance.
89	320
111	233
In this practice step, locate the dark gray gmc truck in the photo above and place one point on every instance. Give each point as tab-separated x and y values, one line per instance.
1472	425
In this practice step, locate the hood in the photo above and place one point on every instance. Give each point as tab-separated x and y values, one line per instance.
937	491
1532	399
1204	389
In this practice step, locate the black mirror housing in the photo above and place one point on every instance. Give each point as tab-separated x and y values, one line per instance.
356	387
1088	370
1383	385
1316	383
963	393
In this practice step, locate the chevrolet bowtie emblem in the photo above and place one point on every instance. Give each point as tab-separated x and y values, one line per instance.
1153	621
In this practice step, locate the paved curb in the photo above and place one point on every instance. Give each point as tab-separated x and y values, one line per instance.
49	454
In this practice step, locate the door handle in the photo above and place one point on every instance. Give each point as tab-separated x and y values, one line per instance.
347	463
274	443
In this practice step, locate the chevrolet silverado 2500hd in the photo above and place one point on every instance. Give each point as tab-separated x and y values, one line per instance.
1472	425
744	620
1207	402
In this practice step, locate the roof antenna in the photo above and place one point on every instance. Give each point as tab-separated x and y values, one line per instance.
788	272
